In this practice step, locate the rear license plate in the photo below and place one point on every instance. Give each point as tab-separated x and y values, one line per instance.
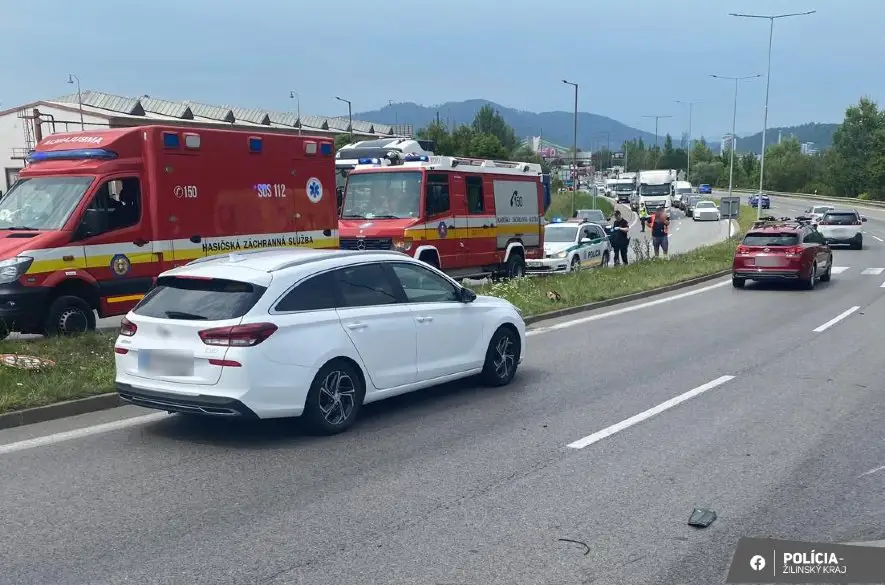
770	261
166	363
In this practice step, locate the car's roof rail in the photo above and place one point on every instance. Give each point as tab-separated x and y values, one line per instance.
771	221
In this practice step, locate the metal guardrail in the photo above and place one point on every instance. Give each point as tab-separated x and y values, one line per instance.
824	198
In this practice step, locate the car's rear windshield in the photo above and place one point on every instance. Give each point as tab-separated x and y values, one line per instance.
841	218
199	299
771	239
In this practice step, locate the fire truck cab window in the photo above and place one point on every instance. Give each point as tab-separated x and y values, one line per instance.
474	195
437	194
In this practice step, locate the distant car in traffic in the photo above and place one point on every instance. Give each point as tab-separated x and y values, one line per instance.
782	251
705	211
758	199
842	227
312	333
688	204
592	215
817	212
705	189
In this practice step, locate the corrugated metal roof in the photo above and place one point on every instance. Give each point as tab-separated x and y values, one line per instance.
156	108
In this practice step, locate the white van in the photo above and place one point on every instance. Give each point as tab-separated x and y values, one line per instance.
681	192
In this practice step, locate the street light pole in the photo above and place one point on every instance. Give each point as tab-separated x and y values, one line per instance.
690	116
657	146
294	95
71	79
771	19
349	115
736	80
574	148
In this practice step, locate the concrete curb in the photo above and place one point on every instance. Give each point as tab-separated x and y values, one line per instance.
50	412
625	299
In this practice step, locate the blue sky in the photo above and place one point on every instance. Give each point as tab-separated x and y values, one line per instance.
632	57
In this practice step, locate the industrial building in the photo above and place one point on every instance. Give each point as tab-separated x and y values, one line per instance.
23	126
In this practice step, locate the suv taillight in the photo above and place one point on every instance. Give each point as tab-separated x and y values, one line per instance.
238	335
127	327
794	250
743	249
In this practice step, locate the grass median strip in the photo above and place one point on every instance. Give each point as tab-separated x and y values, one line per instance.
84	365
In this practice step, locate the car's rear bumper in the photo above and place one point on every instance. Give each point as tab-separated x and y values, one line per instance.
204	404
835	238
766	274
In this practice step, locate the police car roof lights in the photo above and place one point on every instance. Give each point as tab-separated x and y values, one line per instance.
369	161
416	158
557	220
76	154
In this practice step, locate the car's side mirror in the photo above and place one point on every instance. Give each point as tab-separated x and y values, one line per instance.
467	295
94	222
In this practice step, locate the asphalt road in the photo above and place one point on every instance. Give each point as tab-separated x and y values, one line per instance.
464	484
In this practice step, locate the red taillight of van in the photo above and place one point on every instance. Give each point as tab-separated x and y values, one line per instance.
127	327
238	335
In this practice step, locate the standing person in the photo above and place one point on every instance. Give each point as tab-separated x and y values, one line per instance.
643	216
660	229
620	228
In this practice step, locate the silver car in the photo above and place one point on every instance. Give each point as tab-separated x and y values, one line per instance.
705	211
842	226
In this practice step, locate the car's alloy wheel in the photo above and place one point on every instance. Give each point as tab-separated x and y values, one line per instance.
809	284
502	357
575	264
337	397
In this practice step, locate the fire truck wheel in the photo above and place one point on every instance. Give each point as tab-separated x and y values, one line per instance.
515	266
69	315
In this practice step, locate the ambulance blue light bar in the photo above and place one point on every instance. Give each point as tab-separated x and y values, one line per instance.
254	144
416	158
369	161
78	154
557	220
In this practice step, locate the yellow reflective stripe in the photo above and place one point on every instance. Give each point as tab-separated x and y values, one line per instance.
124	299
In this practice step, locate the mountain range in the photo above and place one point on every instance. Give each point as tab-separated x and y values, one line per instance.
594	131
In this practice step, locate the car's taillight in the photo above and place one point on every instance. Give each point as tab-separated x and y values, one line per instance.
127	327
822	222
743	249
794	250
238	335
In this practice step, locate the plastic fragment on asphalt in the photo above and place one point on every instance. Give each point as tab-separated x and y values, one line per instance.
701	517
584	544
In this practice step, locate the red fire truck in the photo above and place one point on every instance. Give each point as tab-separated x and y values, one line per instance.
469	217
96	216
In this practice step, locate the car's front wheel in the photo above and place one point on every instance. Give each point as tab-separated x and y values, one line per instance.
335	398
502	357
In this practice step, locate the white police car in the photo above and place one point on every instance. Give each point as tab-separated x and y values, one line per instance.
570	246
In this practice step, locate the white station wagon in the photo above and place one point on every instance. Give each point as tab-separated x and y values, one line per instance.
312	333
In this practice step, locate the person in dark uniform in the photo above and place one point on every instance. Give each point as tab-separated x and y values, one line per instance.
620	228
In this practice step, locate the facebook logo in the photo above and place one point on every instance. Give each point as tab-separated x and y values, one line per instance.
757	562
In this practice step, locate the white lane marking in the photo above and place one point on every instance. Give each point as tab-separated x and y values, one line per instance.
80	433
873	543
873	271
883	285
840	269
836	319
623	310
872	471
634	420
878	238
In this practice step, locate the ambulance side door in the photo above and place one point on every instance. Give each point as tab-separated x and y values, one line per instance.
480	223
116	234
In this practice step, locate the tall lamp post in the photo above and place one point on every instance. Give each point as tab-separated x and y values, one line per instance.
690	115
574	148
771	19
349	115
736	80
657	147
72	79
294	96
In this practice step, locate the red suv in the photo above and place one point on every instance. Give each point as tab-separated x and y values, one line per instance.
782	250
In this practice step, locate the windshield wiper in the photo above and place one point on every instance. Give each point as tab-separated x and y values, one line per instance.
23	228
181	315
385	217
352	216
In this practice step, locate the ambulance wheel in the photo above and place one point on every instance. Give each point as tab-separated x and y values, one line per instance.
69	315
515	267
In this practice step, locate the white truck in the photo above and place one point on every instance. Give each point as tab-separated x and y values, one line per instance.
622	189
656	188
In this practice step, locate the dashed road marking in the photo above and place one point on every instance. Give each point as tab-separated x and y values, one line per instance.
840	269
873	271
836	319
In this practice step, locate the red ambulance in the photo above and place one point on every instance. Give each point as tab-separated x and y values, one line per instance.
468	217
97	215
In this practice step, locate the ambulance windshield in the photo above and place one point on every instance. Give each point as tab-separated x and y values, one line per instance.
41	203
391	195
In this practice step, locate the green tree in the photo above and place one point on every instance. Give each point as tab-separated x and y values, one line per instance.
344	140
854	146
489	121
439	134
